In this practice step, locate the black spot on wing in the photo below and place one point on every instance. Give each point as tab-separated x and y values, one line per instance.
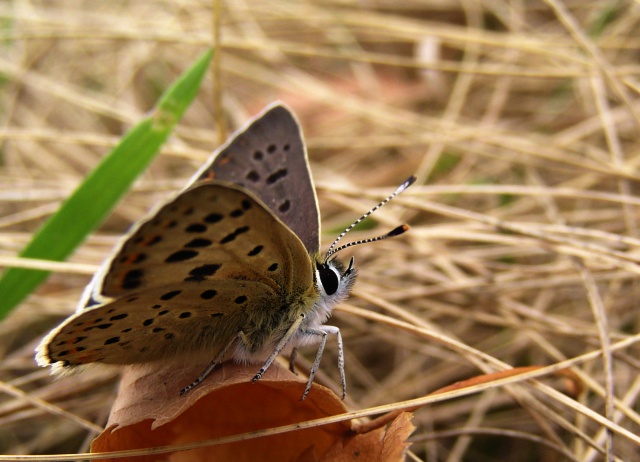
208	294
147	242
181	255
170	295
132	279
118	317
99	326
213	218
232	236
255	251
284	206
198	242
200	273
196	228
139	258
276	176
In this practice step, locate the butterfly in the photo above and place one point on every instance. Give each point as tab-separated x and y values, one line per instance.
227	268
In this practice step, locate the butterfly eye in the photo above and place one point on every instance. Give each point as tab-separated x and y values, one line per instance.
328	278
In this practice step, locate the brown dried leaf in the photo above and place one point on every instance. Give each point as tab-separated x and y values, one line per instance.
383	444
149	413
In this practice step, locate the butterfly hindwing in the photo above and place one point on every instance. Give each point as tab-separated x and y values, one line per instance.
163	322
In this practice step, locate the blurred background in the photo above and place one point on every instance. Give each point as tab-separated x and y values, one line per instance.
519	118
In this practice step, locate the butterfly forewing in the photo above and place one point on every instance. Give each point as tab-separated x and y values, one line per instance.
269	158
210	231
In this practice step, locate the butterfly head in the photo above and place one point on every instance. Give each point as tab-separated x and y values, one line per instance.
333	280
334	283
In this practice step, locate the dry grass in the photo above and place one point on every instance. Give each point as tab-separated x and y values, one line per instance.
521	120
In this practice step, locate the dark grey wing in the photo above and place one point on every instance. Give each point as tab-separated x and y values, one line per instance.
268	157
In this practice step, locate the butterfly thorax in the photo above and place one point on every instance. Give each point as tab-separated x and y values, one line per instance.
332	284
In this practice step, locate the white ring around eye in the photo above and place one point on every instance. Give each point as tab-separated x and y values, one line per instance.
336	273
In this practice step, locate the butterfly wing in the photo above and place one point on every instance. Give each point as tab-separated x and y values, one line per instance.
269	158
214	230
214	252
162	322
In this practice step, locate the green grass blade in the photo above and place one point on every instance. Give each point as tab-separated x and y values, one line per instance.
92	201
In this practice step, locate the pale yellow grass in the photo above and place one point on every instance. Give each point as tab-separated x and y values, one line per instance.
521	121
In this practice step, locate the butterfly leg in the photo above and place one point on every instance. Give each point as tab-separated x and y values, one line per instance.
281	344
343	378
323	331
209	368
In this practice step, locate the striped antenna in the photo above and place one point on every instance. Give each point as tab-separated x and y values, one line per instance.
395	232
